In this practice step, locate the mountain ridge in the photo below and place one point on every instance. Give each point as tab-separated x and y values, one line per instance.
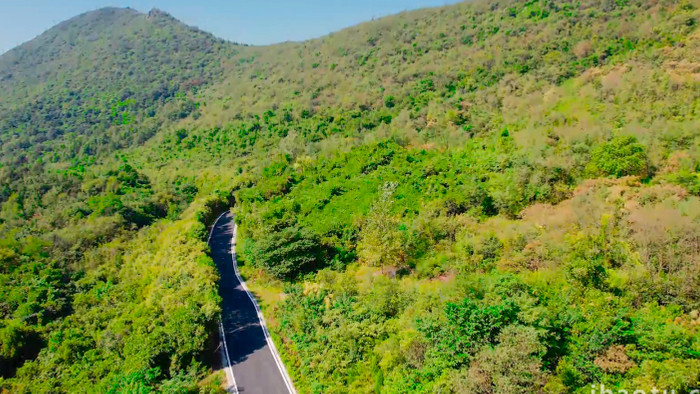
109	73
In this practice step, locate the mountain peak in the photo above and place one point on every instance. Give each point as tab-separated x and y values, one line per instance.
159	15
155	12
105	13
120	51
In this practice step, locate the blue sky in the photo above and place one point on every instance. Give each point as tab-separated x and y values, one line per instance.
252	21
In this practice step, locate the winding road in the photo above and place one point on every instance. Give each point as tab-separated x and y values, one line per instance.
249	356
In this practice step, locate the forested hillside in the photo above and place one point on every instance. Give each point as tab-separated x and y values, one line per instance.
491	197
104	280
102	81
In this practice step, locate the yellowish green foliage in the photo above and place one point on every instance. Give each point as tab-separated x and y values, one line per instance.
485	197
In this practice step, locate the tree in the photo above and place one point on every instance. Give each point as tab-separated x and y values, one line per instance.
513	366
470	326
286	253
381	242
620	156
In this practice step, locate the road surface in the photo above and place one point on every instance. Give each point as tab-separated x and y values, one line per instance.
249	356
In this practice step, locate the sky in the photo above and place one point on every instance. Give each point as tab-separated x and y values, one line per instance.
255	22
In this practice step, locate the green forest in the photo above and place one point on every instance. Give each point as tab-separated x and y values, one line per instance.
490	197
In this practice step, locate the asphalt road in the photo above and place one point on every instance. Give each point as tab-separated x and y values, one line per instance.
248	353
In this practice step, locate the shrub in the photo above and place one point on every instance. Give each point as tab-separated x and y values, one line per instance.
286	253
382	243
620	156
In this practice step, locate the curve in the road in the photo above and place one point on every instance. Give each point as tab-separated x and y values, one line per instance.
251	360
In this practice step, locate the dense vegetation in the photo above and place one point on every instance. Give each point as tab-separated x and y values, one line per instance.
102	81
492	197
105	281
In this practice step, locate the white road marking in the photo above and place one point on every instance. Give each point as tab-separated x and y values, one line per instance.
229	367
273	349
270	343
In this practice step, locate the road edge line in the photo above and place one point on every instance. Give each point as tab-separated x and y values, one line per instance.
228	368
261	318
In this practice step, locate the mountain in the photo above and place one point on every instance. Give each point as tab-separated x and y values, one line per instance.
104	80
82	86
494	196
